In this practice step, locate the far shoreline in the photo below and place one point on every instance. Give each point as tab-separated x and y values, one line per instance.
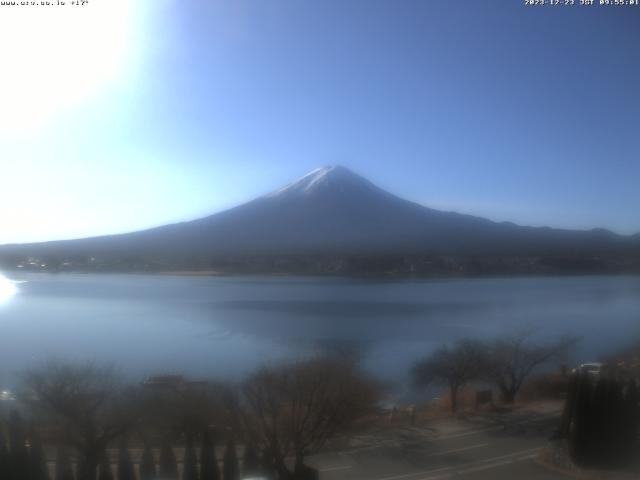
337	275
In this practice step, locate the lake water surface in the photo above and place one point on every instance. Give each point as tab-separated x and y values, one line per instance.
225	326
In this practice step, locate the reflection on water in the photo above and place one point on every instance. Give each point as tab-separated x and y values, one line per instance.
7	289
208	326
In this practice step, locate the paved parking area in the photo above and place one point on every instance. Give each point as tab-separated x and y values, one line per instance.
479	447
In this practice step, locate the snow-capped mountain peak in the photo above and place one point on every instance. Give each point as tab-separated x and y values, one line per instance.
328	179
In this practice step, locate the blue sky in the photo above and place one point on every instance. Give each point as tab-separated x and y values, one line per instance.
170	110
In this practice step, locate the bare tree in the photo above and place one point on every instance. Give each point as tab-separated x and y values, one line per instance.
453	366
85	405
512	358
184	409
295	409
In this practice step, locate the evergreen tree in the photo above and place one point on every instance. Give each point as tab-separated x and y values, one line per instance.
208	461
4	457
568	412
231	466
37	459
581	431
104	468
125	465
632	414
599	419
147	464
190	461
17	433
168	463
63	465
267	466
18	458
615	424
605	422
251	461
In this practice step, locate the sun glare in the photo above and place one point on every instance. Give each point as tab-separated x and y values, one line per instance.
7	289
55	56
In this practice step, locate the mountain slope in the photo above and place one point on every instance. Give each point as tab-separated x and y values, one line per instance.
334	211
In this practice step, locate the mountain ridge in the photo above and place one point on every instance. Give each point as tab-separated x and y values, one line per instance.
334	211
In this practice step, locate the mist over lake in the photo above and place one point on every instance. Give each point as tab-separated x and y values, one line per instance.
226	326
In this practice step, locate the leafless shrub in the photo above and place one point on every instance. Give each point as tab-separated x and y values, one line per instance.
453	366
295	409
83	406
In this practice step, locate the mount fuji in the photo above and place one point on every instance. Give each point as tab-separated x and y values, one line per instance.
334	211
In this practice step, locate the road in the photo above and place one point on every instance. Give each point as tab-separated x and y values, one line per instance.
491	447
